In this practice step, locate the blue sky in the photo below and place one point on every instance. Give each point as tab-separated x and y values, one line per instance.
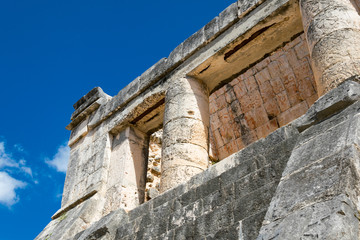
51	53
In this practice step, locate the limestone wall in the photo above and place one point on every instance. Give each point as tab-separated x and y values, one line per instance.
269	95
253	58
300	181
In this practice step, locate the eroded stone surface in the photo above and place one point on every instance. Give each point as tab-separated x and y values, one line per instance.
186	123
73	221
332	31
319	189
154	166
125	187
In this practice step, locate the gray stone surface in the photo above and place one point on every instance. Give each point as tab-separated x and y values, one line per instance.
330	219
331	103
245	6
73	221
319	188
88	99
105	228
211	29
228	16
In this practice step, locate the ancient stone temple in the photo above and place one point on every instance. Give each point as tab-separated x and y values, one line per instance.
249	129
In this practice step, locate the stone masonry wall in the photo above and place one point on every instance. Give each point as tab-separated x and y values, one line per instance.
271	189
269	95
154	166
212	204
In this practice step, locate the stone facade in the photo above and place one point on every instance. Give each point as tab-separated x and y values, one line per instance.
270	88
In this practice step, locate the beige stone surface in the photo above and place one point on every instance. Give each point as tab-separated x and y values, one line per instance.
186	132
88	166
174	176
74	220
154	165
125	187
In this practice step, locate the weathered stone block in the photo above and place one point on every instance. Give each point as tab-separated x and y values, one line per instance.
327	106
192	106
186	214
249	227
327	176
330	20
228	16
220	218
244	168
106	227
71	222
252	182
245	6
211	29
176	56
153	73
79	131
311	8
330	219
225	195
225	233
193	43
89	98
254	202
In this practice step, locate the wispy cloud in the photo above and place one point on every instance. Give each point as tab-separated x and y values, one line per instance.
19	148
5	158
60	159
8	185
7	161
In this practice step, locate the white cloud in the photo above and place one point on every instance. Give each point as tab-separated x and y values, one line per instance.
26	170
7	161
60	159
5	158
8	185
19	148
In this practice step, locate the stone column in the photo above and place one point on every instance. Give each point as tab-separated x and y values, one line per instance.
186	129
125	187
332	29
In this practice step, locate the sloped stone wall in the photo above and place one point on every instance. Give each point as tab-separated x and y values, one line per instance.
269	95
301	181
212	204
232	194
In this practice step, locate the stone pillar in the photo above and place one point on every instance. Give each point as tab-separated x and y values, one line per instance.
125	187
186	128
332	29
